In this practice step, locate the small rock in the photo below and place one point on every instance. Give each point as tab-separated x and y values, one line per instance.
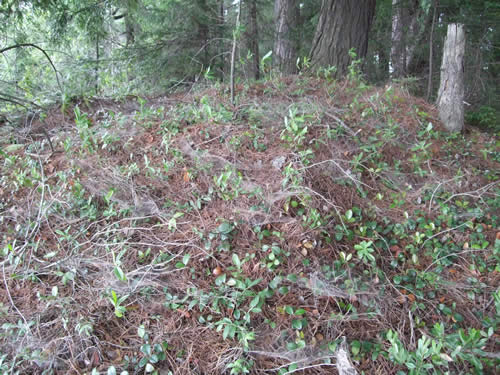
278	162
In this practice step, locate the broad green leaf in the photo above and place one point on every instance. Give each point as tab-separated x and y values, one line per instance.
236	260
141	331
254	302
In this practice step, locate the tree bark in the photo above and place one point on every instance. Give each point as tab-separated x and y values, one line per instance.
96	68
220	32
233	53
130	24
285	39
398	61
450	100
202	24
406	33
431	52
342	25
252	38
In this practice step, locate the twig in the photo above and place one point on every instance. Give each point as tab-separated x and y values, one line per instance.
305	367
11	301
471	193
346	173
451	255
341	123
329	203
436	189
439	233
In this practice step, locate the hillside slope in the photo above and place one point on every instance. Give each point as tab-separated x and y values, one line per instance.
314	227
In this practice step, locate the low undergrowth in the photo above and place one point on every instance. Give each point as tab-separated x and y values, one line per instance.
315	226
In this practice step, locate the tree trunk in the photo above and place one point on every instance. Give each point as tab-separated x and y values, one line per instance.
431	52
201	19
130	24
252	38
398	61
220	24
233	53
408	28
96	69
342	25
450	100
285	40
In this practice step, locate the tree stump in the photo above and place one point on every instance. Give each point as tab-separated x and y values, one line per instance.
450	100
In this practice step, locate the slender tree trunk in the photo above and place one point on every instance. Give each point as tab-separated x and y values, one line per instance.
342	25
130	24
398	61
96	70
129	31
431	52
203	32
383	62
233	53
450	100
285	39
252	37
221	39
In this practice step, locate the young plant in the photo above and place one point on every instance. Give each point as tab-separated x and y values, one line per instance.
83	125
295	128
228	184
365	251
117	303
274	256
152	353
240	366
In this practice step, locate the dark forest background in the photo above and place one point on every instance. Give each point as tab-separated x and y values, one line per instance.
55	50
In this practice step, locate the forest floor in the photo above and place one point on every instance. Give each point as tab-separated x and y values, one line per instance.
315	227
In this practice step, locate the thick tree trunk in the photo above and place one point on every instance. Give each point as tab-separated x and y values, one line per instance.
285	40
252	37
450	100
406	33
342	25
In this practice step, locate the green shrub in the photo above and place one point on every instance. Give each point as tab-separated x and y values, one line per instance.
485	117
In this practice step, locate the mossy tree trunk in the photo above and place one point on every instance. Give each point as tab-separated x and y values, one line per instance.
450	100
